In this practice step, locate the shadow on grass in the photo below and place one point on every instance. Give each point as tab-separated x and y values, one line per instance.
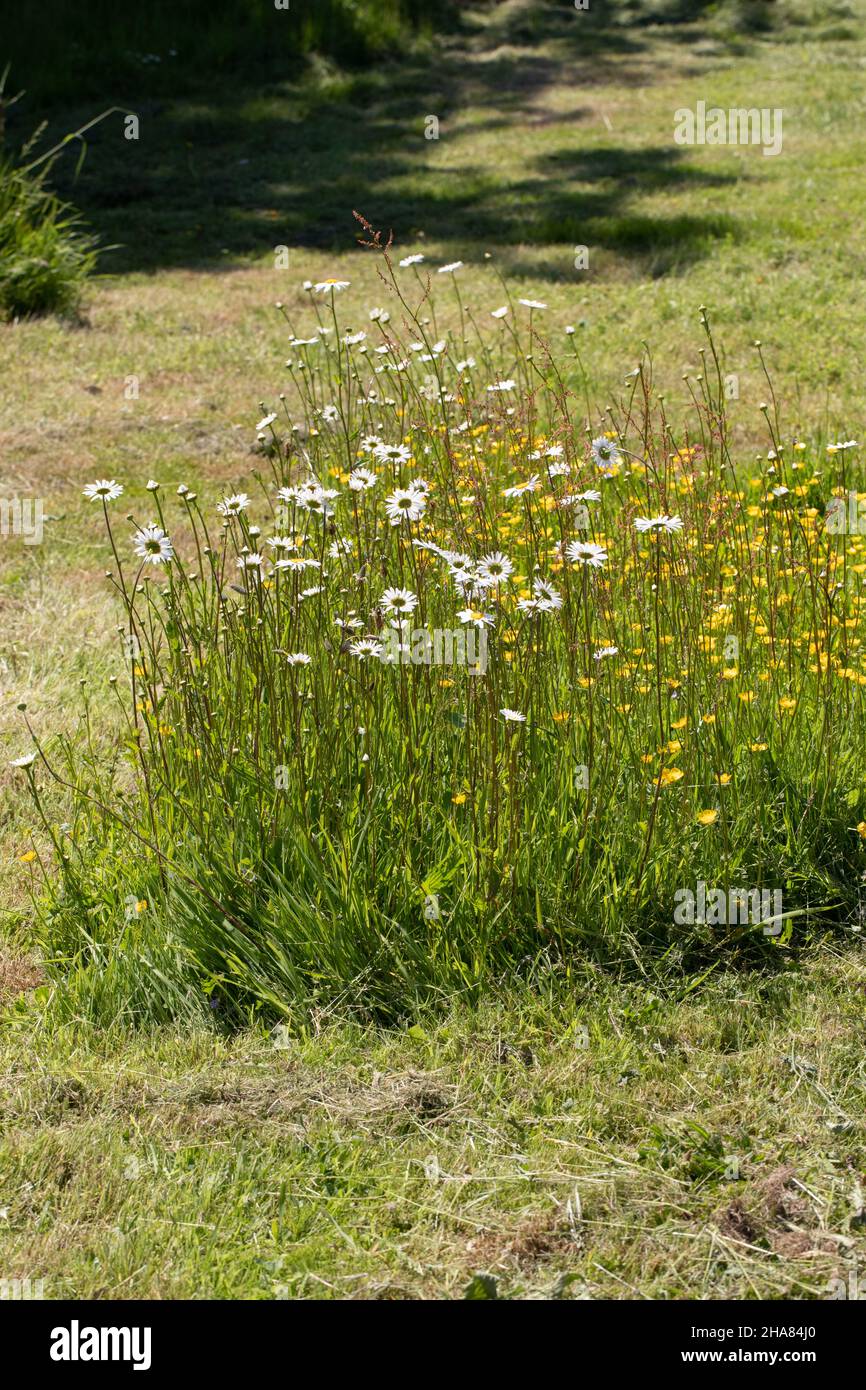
234	167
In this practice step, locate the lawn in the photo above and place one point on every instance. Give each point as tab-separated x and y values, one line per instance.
590	1123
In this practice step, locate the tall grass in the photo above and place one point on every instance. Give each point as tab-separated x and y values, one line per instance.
302	808
46	253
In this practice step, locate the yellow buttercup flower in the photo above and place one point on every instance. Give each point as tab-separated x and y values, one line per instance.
669	775
708	817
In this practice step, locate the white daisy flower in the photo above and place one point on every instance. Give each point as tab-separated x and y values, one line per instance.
234	505
532	303
296	564
282	543
499	313
658	523
405	504
104	489
605	453
26	760
519	489
152	545
392	453
547	596
463	573
152	486
476	617
365	647
449	268
298	659
312	497
603	652
266	420
587	553
415	259
493	569
513	716
331	286
399	601
507	385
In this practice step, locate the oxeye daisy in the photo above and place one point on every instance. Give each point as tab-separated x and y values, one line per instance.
399	601
587	553
103	490
331	286
234	505
547	597
153	546
476	618
658	523
513	716
415	259
463	573
405	504
603	652
298	659
365	648
493	569
532	303
296	564
362	479
519	489
449	268
605	454
312	497
282	543
26	760
392	453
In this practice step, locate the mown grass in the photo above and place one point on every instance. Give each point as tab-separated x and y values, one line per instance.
606	1142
